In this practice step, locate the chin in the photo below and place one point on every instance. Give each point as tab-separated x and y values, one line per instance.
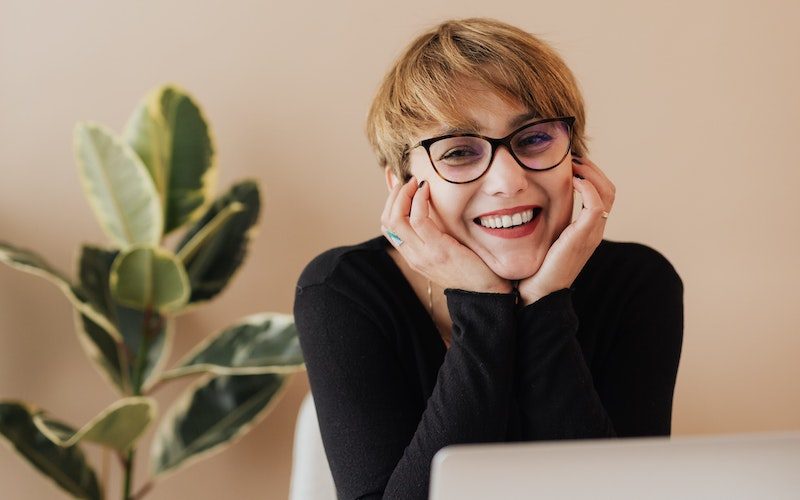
515	270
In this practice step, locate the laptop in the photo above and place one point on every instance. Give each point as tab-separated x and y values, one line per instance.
743	466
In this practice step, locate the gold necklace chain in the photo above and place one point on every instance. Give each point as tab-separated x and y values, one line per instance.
430	298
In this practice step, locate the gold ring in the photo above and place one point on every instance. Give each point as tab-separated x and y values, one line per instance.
604	214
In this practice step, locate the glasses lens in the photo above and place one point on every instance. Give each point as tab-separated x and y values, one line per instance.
460	159
542	145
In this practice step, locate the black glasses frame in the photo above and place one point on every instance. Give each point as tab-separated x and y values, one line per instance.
495	143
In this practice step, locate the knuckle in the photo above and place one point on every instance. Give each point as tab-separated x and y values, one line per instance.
438	258
416	219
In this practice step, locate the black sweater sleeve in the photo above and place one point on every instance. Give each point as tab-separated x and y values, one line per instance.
556	395
377	445
631	391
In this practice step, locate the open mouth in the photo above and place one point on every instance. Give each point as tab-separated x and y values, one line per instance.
510	220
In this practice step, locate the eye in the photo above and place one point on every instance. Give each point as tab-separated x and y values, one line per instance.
534	140
458	154
459	151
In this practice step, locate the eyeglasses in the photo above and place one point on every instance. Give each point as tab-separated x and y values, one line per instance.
463	158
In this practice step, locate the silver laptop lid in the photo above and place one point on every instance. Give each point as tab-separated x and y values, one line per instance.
745	466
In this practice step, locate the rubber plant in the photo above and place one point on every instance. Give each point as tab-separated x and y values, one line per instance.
153	180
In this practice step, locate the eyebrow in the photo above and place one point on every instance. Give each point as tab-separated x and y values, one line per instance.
521	119
516	122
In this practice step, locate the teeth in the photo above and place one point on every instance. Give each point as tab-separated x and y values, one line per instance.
527	216
498	221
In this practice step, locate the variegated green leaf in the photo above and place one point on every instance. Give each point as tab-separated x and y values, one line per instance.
210	415
118	186
171	136
208	231
95	272
107	352
30	262
158	345
118	427
261	343
67	467
147	276
212	257
131	325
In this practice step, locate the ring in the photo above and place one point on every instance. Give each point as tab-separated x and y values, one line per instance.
394	238
604	214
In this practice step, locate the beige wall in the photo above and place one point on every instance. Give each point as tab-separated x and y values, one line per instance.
693	112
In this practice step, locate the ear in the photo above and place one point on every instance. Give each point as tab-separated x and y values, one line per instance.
391	178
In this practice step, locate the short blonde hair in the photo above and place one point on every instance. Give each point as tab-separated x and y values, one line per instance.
426	86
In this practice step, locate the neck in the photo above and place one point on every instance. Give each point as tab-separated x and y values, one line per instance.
434	302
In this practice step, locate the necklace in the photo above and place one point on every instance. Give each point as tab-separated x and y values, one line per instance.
430	298
445	336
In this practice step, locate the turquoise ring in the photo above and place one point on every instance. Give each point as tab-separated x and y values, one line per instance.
394	238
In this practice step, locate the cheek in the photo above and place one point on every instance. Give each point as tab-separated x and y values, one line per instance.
561	192
447	208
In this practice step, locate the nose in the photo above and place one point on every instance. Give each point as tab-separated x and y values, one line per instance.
505	176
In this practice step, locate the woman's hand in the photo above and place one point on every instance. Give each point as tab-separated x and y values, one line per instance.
428	250
578	241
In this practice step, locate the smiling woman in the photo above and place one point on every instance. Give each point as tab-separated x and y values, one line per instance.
485	314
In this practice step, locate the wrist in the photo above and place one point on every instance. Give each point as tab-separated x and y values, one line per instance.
502	286
530	295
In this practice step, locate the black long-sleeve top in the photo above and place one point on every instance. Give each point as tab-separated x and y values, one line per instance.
598	359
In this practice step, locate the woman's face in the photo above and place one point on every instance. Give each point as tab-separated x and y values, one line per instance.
457	208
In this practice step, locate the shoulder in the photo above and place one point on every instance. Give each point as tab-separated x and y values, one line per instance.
344	263
634	263
345	289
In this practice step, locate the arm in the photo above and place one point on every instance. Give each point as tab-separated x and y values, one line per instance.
638	381
558	396
377	443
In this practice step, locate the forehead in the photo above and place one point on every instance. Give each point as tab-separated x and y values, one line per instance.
481	111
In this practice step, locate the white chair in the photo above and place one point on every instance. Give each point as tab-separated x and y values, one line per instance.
311	474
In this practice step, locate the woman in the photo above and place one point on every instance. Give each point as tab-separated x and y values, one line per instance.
483	313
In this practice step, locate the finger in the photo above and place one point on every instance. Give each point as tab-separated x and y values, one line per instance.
593	207
587	162
391	197
398	220
387	207
601	183
419	217
419	205
402	237
588	165
402	203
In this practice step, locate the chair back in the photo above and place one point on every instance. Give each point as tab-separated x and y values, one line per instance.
311	474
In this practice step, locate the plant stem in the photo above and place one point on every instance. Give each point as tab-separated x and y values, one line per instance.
126	493
141	354
136	386
104	471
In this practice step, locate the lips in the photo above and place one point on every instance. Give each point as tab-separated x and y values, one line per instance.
508	217
513	222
